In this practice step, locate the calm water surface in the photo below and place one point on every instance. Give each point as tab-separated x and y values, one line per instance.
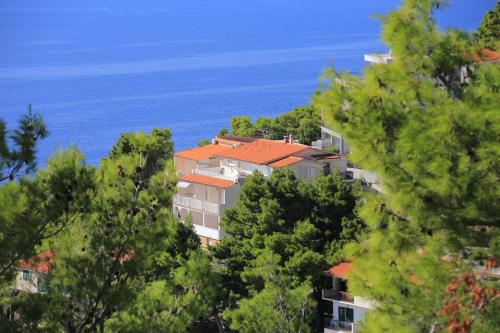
95	69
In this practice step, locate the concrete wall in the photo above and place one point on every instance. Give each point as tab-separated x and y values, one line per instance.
31	285
358	310
307	169
183	165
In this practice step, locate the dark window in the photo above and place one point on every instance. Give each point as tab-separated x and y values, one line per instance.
42	286
346	314
26	275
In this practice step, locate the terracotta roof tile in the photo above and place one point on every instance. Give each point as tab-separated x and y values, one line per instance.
206	180
340	270
203	152
287	161
486	55
40	263
262	151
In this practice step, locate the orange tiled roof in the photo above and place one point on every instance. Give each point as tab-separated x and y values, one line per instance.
262	151
40	263
203	152
340	270
486	55
206	180
287	161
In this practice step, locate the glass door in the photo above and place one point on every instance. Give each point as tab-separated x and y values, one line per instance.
346	315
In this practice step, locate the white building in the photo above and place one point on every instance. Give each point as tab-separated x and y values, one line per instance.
344	311
376	58
211	176
31	274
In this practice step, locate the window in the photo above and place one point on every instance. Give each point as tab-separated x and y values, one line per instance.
26	275
346	314
311	172
42	286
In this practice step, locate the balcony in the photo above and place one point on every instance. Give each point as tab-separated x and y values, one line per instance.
336	326
336	295
216	172
192	203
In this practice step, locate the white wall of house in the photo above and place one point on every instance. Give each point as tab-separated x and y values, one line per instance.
307	169
243	167
359	310
31	284
184	166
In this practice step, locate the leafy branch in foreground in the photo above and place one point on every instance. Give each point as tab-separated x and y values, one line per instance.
433	138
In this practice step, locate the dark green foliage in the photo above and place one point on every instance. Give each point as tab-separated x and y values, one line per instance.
204	142
128	246
33	211
279	307
303	123
296	220
21	157
37	209
488	32
242	126
21	311
434	142
170	305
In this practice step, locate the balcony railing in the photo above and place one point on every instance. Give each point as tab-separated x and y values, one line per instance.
338	325
214	174
192	203
336	295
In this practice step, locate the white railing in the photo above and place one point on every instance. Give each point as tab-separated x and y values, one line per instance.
340	326
188	202
214	174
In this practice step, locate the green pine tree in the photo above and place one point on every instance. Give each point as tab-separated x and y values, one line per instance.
21	157
128	250
279	307
488	32
300	222
434	141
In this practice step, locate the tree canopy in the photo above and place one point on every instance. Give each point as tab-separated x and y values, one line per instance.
21	156
299	222
302	122
434	141
279	307
120	255
488	33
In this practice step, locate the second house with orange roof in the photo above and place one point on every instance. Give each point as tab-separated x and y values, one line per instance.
210	176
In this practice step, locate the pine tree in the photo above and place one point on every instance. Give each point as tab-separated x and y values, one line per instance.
488	33
33	211
21	157
127	248
279	307
298	221
434	141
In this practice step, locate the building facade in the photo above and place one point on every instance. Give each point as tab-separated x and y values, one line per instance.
342	312
31	275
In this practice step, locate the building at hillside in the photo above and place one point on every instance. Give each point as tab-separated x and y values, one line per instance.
210	177
31	275
341	311
375	58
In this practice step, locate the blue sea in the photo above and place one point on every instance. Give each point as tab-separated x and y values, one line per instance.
97	68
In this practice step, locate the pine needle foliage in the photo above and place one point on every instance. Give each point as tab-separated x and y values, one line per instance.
429	125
